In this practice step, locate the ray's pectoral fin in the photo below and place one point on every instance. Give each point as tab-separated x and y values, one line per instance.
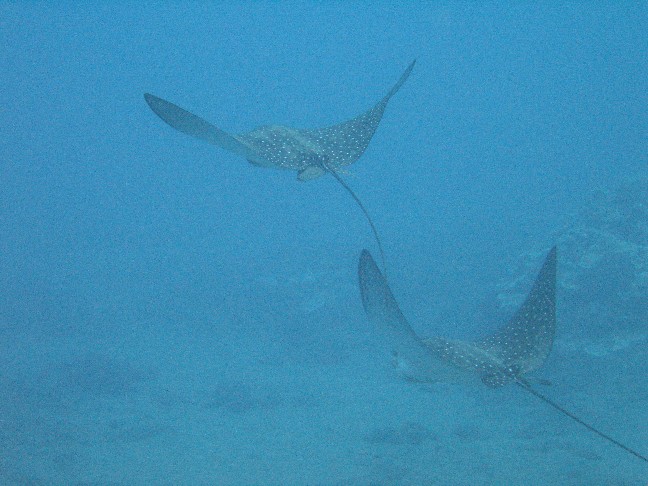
345	142
524	343
284	147
409	353
193	125
519	347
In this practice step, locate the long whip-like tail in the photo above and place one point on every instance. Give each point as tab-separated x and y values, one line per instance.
364	210
589	427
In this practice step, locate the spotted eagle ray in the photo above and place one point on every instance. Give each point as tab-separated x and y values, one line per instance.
519	347
311	153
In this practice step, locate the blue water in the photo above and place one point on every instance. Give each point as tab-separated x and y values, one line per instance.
171	314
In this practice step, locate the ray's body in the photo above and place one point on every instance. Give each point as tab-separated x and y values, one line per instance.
310	152
517	348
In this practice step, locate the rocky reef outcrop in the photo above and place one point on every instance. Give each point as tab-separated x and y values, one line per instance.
603	273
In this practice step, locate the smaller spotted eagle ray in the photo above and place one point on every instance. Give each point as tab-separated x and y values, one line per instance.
311	152
519	347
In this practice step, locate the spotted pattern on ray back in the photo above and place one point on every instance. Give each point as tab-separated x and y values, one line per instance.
525	342
346	142
470	357
330	147
517	348
282	147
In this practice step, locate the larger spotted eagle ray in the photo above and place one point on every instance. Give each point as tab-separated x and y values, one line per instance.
311	152
519	347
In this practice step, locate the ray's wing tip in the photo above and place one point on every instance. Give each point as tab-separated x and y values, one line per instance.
368	272
153	101
552	257
365	262
400	82
407	72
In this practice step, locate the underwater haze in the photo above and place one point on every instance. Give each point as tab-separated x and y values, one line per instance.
172	314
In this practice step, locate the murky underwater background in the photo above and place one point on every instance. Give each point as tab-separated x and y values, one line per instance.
170	314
